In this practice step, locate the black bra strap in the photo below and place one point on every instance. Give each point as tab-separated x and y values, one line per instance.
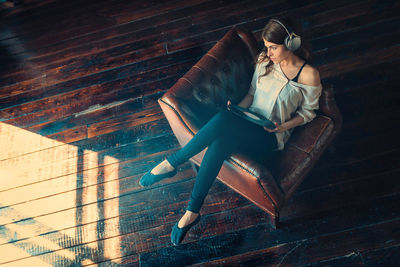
297	76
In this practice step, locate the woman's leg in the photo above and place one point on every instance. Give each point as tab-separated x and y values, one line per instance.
219	125
219	150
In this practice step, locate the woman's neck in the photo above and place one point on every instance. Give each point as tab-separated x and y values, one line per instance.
290	60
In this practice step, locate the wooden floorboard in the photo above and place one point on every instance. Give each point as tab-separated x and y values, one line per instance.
80	124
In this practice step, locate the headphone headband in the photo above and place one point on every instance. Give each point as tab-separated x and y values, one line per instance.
277	21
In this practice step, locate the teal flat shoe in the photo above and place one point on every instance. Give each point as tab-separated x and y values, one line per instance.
148	179
178	234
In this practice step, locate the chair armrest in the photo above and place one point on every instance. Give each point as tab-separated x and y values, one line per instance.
263	175
183	112
328	106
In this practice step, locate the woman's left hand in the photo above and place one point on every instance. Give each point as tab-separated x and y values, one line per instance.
228	105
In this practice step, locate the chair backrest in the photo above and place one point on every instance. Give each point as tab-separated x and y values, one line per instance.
223	74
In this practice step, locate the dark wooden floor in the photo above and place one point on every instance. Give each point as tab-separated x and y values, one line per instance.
80	123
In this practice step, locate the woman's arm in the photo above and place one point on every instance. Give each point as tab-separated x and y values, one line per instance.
246	101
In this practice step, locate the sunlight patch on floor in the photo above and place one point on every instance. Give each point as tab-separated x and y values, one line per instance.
47	186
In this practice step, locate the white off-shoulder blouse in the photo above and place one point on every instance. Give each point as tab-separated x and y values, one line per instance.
279	99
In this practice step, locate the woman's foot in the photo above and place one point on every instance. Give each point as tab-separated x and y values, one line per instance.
162	168
183	226
161	171
187	218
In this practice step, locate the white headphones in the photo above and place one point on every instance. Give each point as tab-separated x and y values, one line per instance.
292	41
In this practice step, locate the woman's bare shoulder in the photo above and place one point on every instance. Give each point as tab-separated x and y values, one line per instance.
310	76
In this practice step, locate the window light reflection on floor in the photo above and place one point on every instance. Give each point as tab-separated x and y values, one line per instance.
39	178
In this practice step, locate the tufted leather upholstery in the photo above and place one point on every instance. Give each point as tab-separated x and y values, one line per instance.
224	73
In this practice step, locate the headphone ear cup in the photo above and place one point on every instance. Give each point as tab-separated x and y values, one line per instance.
293	43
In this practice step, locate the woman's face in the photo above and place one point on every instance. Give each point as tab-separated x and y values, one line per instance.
276	52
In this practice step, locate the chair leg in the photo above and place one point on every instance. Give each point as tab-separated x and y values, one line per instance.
274	221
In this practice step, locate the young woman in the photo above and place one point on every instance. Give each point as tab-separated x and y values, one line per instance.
284	89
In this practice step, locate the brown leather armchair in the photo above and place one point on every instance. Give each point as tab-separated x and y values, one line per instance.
225	73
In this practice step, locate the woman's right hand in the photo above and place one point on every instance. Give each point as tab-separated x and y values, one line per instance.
279	128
